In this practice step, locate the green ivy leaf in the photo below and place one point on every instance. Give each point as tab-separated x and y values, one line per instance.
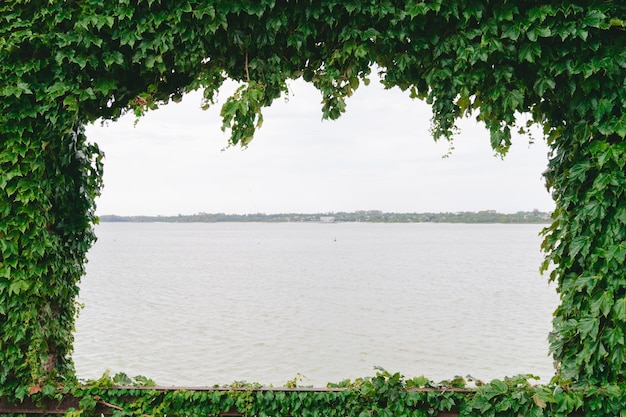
619	308
588	327
603	303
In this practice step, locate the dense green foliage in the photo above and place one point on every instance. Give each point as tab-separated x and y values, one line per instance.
47	188
386	395
64	64
371	216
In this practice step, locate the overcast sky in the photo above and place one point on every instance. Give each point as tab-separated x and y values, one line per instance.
377	156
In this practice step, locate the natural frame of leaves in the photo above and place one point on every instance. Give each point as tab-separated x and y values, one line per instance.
64	64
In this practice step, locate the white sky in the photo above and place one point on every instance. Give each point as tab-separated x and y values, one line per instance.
377	156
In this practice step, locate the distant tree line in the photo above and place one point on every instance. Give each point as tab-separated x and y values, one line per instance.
372	216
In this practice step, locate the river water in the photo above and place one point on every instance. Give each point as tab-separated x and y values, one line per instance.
213	303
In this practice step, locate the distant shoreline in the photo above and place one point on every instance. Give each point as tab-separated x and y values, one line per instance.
370	216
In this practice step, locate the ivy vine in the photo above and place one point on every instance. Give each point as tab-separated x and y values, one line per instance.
385	395
65	64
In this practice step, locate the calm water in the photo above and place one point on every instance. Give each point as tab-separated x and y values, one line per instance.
204	304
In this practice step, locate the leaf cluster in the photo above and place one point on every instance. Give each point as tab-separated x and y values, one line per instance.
586	247
385	394
47	191
101	59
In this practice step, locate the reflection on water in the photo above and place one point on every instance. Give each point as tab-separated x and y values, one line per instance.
204	304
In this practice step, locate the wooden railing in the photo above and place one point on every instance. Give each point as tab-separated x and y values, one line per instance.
49	406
